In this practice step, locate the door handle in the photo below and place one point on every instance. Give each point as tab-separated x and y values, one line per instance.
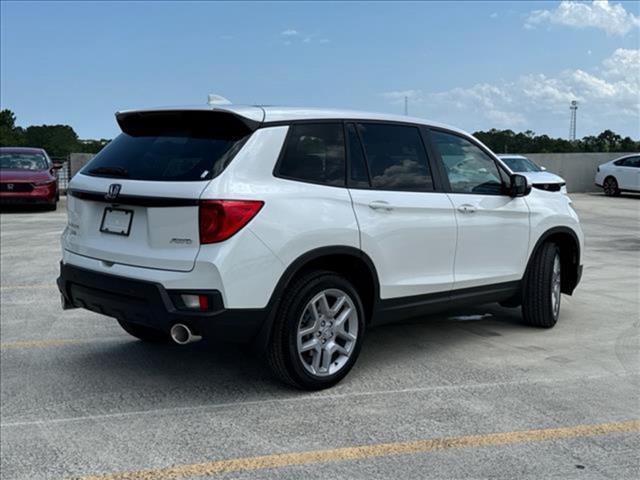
380	205
466	208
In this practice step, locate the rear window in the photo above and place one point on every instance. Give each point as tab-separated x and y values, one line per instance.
176	146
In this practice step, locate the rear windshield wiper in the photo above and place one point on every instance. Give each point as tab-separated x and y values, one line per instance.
109	172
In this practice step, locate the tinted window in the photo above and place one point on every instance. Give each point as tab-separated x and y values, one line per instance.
469	169
170	146
358	176
314	153
629	162
396	157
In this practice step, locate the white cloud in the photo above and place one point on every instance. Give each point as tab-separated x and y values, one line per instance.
612	18
291	35
607	97
494	15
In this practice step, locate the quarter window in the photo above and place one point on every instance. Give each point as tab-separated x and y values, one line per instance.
396	157
469	169
315	153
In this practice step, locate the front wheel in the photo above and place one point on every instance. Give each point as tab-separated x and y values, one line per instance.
318	332
542	288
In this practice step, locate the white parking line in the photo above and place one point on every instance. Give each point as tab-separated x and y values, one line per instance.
303	398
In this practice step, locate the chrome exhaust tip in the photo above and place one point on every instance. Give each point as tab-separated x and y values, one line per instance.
181	334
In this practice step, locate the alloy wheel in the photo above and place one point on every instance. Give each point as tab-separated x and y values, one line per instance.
327	332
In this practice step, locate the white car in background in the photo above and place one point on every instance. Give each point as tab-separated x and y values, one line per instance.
538	176
619	175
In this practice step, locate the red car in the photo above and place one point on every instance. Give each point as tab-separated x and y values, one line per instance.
27	176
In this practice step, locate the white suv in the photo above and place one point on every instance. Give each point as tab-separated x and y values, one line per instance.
298	229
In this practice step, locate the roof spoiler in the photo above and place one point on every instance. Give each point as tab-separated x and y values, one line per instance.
197	123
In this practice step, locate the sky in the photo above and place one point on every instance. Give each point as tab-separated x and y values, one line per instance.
474	65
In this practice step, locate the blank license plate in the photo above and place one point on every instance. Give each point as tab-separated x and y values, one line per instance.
116	221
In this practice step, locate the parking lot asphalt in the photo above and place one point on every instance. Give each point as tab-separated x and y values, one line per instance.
467	394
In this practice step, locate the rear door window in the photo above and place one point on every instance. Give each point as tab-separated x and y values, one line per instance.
178	146
315	153
396	157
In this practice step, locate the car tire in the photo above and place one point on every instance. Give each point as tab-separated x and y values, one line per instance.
146	334
610	187
52	207
541	289
318	331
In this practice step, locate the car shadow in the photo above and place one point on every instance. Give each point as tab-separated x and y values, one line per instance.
212	372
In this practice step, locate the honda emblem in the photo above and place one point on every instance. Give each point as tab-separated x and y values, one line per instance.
113	192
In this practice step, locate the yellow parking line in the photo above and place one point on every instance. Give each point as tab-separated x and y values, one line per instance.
369	451
39	343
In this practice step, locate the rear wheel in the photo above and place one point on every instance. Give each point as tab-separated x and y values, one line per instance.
610	187
318	332
146	334
542	288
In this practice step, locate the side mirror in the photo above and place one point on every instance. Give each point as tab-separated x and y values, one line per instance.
519	186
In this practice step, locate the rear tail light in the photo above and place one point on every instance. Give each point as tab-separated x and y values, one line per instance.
221	219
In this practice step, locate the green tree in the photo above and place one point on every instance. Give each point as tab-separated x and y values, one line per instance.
10	135
57	140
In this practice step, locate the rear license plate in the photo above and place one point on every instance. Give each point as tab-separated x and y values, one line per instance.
116	221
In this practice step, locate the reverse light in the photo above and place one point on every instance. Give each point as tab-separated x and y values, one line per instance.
221	219
195	302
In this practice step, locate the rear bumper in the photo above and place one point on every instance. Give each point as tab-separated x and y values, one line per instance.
150	304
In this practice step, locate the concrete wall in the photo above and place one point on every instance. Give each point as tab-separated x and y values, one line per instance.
78	160
578	169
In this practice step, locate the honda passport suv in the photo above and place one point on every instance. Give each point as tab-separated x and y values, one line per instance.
299	229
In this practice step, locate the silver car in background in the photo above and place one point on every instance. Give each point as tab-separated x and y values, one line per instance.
537	176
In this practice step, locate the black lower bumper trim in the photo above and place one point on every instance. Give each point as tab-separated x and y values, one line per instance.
149	304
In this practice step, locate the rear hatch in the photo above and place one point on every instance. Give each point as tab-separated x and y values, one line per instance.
136	202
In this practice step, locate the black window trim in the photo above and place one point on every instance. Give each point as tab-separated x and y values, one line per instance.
364	157
438	173
276	169
443	173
